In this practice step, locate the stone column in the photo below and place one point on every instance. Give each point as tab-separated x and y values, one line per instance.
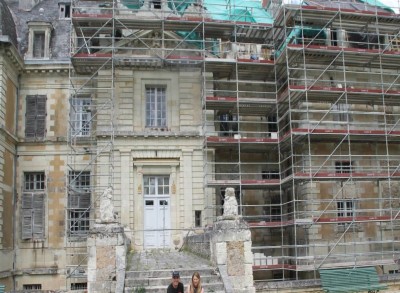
231	248
126	190
107	256
188	187
106	250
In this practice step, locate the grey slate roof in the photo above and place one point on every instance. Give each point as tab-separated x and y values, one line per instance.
7	25
46	11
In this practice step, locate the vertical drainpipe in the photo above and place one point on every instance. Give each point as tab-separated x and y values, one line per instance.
15	193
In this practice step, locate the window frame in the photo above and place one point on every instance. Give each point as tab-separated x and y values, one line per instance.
64	10
39	44
345	208
81	116
154	116
165	187
36	27
79	203
35	116
33	206
32	286
344	167
197	218
78	286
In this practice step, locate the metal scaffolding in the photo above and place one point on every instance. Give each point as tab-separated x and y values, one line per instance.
91	131
338	85
300	116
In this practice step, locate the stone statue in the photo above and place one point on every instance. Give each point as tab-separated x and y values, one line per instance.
106	207
230	203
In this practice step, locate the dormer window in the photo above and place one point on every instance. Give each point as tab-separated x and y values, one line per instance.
38	44
64	10
39	40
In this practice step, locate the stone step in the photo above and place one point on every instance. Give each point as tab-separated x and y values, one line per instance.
151	271
168	273
217	287
205	279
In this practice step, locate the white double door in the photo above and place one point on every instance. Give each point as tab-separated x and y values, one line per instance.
157	222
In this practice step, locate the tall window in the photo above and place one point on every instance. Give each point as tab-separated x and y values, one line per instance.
156	107
197	218
81	116
79	203
32	206
35	117
156	185
39	39
38	44
345	208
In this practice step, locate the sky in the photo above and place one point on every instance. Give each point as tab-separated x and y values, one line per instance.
394	4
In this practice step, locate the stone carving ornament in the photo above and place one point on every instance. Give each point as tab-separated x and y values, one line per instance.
106	207
230	203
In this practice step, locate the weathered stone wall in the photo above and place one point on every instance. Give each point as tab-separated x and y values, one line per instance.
231	251
175	150
8	105
44	260
107	258
199	244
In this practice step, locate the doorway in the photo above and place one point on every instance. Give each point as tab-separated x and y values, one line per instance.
157	214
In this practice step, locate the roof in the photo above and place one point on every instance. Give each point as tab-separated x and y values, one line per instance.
7	25
361	5
46	11
235	10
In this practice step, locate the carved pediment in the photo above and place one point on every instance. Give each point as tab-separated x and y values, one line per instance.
154	44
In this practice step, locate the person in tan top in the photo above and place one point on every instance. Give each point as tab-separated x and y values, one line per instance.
195	284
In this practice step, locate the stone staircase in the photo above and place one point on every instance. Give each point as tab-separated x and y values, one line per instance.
151	271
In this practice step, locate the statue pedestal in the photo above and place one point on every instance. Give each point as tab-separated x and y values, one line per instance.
107	258
231	251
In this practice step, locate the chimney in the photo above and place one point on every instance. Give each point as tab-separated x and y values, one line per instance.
27	5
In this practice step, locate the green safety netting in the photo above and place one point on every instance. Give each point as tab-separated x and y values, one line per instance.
234	10
299	32
350	280
237	10
133	4
378	4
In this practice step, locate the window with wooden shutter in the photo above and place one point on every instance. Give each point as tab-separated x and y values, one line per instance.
35	117
79	203
33	206
32	215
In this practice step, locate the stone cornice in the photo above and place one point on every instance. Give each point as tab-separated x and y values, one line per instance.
8	50
47	68
9	137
